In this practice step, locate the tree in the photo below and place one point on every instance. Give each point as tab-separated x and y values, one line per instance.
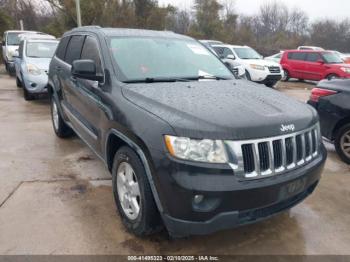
208	23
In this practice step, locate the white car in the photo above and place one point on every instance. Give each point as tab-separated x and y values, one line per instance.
306	47
275	58
10	44
257	69
234	66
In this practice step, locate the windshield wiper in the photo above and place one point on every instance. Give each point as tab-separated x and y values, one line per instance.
157	80
211	77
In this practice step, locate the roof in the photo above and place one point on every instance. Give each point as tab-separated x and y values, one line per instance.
308	51
20	31
128	32
231	46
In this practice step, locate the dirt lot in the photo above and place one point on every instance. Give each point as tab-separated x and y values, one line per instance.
56	198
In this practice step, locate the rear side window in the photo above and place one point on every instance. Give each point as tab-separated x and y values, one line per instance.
297	56
74	48
62	47
90	51
313	57
219	50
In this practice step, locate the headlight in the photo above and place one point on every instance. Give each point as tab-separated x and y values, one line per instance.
345	69
33	70
206	150
257	67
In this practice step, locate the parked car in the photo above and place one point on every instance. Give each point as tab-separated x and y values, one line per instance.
234	66
315	48
188	145
257	69
344	57
32	64
10	43
331	100
275	58
313	65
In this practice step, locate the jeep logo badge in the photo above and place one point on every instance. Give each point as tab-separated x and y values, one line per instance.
286	128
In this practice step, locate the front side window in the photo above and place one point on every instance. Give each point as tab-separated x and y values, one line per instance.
41	49
90	51
62	47
227	52
13	39
332	58
148	57
74	48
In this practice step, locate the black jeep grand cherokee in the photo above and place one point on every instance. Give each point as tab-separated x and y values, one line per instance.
188	145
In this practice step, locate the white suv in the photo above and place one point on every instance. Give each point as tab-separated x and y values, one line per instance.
257	69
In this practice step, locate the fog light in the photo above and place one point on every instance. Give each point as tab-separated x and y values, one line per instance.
198	199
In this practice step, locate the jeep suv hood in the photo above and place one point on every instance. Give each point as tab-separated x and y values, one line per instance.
261	62
229	109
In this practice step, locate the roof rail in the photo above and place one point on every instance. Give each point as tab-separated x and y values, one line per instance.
87	27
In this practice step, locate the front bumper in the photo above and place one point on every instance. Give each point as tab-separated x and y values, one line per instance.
36	84
271	79
228	201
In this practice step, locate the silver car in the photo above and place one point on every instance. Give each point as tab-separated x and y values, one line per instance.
32	64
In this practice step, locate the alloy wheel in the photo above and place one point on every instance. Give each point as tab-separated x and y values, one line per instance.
128	190
345	143
55	117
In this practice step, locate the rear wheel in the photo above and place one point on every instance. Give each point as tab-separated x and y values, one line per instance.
332	76
133	195
342	143
61	129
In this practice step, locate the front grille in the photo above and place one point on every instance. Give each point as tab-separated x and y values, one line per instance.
269	156
274	69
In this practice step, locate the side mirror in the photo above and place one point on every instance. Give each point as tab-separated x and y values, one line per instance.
232	57
85	69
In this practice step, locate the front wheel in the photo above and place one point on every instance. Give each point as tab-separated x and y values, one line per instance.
61	129
133	195
285	77
247	75
342	143
27	95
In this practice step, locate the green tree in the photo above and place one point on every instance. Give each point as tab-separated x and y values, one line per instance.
208	23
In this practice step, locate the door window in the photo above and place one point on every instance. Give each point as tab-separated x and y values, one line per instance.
313	57
227	51
91	51
62	47
74	48
297	56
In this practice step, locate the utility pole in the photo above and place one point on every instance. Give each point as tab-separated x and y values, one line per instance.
21	24
77	3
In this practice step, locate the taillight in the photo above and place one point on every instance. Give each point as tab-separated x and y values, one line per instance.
317	93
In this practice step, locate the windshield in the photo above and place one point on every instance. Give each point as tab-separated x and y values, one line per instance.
41	49
247	53
332	58
141	58
13	39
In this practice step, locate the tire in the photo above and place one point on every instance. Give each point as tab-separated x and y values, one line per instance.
270	84
62	130
7	68
27	95
286	77
247	75
18	82
332	76
342	143
136	207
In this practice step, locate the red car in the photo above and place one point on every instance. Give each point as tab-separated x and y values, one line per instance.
313	65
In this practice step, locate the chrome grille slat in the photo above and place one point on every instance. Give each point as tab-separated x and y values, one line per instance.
271	156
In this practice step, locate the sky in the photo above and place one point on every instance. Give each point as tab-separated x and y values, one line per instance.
316	9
